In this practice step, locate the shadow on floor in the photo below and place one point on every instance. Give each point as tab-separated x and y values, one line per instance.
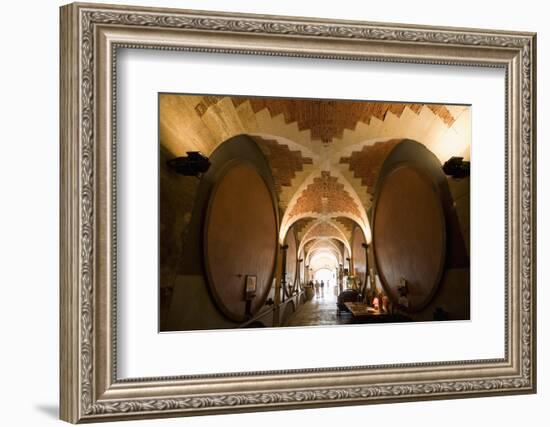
319	311
50	410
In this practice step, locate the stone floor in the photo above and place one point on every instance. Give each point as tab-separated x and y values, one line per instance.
319	311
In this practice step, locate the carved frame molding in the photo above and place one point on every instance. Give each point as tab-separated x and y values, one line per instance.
90	37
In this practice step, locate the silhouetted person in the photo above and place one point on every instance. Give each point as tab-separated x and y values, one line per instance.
317	288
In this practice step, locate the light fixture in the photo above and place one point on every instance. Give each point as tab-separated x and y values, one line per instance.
457	167
194	164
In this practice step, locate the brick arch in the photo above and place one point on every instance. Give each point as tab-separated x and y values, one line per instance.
325	193
363	160
284	159
314	240
367	162
294	135
346	224
331	230
196	122
327	118
323	228
302	226
325	244
323	253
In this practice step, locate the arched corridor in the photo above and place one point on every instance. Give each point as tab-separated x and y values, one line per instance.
320	311
325	275
302	212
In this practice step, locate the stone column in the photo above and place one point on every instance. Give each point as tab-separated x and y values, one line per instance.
277	292
341	278
300	267
366	247
283	275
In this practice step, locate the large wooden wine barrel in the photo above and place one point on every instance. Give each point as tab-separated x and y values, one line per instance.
240	239
409	233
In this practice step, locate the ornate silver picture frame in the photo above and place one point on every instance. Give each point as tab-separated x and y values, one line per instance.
91	36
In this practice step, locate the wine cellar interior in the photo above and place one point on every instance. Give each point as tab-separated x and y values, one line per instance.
306	212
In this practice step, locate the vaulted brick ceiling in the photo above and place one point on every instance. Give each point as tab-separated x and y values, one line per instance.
324	234
301	226
327	119
323	229
367	162
325	195
283	161
307	246
325	155
347	224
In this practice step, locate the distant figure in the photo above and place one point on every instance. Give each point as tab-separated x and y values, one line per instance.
317	288
322	289
310	289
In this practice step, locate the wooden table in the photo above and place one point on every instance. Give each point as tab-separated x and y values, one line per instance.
363	313
359	309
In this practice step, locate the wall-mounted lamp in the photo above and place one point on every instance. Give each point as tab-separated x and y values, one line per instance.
457	167
194	164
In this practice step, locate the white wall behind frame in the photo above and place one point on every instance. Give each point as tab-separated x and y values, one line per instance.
142	74
29	170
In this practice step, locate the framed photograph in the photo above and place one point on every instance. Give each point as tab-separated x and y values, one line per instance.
251	284
360	182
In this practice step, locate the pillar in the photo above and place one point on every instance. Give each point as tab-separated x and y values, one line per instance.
277	291
283	275
300	268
